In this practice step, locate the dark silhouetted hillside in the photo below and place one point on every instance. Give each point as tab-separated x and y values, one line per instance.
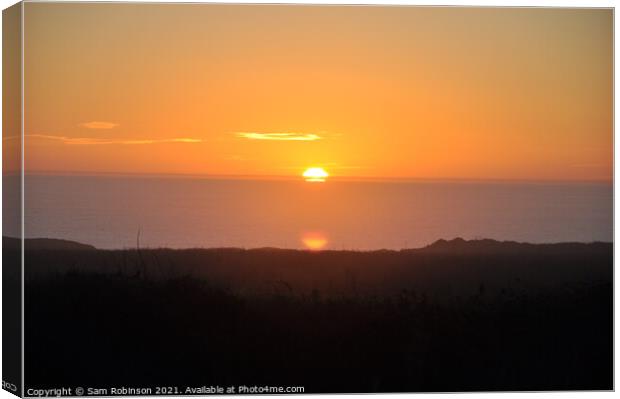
44	244
455	316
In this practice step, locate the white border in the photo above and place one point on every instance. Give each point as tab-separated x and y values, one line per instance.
480	3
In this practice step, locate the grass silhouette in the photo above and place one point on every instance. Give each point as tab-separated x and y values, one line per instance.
455	316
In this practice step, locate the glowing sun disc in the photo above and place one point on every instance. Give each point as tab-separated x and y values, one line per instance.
315	174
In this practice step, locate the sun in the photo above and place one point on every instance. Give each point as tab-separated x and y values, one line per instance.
315	174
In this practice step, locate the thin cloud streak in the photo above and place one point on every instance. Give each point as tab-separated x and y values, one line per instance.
97	141
99	125
280	136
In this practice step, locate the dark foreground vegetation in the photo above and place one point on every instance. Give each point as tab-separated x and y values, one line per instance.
455	316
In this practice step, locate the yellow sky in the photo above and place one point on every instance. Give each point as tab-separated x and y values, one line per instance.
394	92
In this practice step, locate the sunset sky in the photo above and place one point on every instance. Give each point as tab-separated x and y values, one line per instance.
383	92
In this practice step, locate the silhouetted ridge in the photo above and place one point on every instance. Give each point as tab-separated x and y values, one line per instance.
460	244
45	244
456	245
489	246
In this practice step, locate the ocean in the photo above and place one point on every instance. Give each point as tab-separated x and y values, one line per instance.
112	212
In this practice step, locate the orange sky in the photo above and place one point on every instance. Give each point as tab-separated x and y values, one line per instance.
388	92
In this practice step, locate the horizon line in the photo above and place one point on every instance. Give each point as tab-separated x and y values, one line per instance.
338	178
438	241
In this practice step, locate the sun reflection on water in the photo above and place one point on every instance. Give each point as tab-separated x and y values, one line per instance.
314	241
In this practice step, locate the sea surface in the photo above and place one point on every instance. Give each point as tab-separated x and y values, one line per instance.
113	212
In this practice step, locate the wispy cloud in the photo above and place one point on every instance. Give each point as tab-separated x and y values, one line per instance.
280	136
98	141
99	125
